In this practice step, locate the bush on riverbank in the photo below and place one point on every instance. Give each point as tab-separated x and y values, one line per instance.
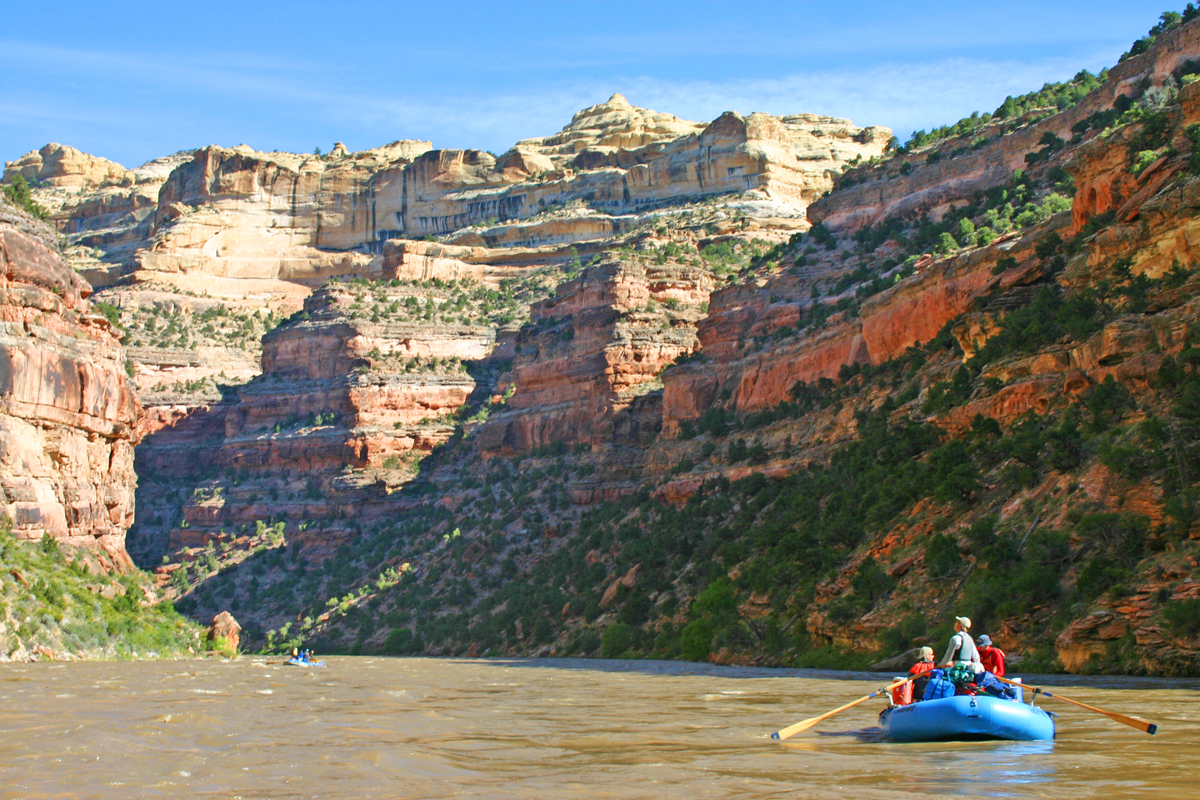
52	607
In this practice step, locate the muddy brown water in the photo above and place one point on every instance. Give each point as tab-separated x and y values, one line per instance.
556	728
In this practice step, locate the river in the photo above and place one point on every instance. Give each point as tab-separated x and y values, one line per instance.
556	728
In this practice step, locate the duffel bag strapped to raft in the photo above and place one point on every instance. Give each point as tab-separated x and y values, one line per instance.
961	675
939	686
987	682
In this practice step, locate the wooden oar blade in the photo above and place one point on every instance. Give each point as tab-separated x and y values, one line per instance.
1133	722
792	730
804	725
1140	724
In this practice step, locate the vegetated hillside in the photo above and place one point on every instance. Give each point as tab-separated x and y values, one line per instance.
52	608
970	389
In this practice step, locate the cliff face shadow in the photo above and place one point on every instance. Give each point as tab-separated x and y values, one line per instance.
169	461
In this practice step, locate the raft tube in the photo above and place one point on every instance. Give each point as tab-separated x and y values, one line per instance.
966	717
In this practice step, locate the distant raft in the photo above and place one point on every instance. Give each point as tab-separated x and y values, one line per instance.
301	662
965	718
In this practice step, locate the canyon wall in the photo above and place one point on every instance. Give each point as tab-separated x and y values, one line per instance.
624	382
236	213
586	367
707	507
67	414
341	415
202	252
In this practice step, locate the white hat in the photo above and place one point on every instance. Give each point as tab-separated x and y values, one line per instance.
926	652
965	621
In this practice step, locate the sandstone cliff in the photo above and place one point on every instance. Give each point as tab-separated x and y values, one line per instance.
347	404
988	157
237	213
586	366
203	252
69	418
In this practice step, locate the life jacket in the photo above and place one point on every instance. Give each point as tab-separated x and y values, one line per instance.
904	695
993	660
966	650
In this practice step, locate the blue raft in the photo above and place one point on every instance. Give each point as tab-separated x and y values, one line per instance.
300	662
966	717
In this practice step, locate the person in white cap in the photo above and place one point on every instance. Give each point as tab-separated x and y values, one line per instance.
925	664
962	648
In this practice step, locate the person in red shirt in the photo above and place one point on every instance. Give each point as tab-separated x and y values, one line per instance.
925	664
916	690
991	657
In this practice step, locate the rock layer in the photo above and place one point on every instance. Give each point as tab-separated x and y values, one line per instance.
238	214
586	367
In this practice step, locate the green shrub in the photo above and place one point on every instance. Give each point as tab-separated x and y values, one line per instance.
1004	264
402	642
1047	318
946	244
224	647
17	193
636	609
1142	160
942	558
1118	542
871	583
589	641
695	640
616	639
1183	616
901	636
1192	134
844	610
944	395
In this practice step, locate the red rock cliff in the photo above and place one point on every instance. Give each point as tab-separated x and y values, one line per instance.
67	415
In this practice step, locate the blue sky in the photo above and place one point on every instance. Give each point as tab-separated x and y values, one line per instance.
136	80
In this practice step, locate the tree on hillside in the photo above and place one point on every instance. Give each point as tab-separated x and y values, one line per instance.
17	192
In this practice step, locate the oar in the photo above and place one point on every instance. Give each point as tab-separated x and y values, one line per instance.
1141	725
808	723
